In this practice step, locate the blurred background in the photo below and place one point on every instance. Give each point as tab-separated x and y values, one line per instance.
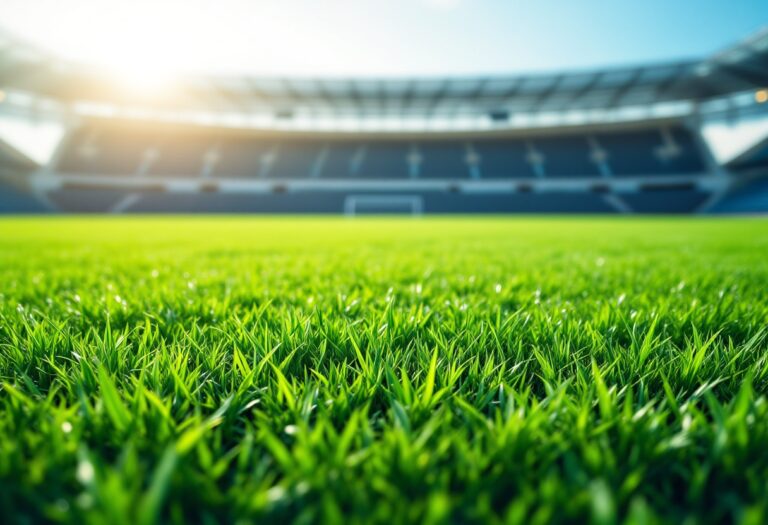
404	107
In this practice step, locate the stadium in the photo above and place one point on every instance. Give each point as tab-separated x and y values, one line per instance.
618	140
414	261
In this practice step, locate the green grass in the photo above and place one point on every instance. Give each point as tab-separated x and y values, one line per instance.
220	370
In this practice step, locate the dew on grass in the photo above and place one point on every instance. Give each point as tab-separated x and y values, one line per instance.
84	501
275	494
302	488
352	305
85	471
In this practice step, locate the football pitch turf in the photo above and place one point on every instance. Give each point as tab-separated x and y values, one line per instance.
383	370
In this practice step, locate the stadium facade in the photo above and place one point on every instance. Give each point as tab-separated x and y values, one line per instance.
617	140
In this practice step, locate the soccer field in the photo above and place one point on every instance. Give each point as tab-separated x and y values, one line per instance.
464	370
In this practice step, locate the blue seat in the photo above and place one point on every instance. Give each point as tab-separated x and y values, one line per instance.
567	157
665	201
443	160
502	159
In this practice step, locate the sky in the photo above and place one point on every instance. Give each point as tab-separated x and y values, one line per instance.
378	37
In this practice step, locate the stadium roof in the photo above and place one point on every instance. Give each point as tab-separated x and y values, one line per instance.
743	67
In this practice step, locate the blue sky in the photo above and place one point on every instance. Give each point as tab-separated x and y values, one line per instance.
381	37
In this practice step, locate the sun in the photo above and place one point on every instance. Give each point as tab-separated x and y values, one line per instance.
145	63
132	44
135	74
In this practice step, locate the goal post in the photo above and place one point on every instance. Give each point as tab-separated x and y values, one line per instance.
383	204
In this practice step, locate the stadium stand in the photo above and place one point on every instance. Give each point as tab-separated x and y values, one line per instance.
623	140
86	200
749	192
499	159
184	154
233	203
665	200
330	202
440	160
116	166
751	197
15	169
19	201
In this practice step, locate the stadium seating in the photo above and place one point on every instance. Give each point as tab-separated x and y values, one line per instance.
179	156
646	152
342	161
86	200
105	151
238	203
295	160
528	203
383	160
641	153
567	157
499	159
749	198
16	200
665	201
242	157
189	170
442	160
